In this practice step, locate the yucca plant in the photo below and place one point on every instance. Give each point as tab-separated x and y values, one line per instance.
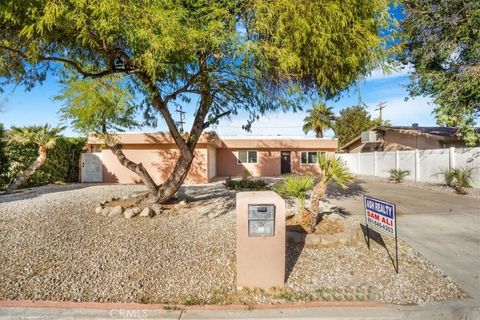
459	178
44	137
333	170
398	175
295	186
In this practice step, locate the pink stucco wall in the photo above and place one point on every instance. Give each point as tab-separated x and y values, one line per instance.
268	163
159	160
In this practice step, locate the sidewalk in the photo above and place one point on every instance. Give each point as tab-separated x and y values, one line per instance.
438	311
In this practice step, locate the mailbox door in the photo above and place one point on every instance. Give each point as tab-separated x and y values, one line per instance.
261	220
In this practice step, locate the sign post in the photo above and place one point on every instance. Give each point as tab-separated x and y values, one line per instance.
381	216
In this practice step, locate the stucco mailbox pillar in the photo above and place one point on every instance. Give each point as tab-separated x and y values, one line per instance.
260	240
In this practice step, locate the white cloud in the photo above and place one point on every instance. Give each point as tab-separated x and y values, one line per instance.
378	74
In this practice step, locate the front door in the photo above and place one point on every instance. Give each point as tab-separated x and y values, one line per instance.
92	167
285	166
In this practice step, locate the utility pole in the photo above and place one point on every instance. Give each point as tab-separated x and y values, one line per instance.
182	118
380	108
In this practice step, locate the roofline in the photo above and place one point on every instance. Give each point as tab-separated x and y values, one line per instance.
404	131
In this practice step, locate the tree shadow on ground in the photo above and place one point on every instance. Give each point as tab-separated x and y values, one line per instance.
353	190
29	193
193	193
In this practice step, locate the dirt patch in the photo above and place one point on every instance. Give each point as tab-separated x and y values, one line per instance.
329	227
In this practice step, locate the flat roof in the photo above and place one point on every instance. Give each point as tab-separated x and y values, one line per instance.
238	142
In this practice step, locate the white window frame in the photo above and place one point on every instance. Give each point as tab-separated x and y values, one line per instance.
247	151
310	163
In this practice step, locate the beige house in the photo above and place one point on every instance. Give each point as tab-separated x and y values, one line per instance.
214	157
391	138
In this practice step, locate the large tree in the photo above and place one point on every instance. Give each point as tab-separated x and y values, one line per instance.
318	119
351	122
441	39
223	56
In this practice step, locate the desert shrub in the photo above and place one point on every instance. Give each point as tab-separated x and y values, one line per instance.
295	186
62	163
398	175
459	178
245	184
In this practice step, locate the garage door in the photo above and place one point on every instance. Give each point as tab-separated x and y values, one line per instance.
92	167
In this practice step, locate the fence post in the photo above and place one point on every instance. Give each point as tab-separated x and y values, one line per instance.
397	159
358	163
375	163
417	165
451	157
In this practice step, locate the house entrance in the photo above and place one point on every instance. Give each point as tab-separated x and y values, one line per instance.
285	163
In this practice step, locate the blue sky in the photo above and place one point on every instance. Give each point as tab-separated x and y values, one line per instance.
20	108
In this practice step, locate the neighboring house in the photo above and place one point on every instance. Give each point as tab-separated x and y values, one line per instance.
214	157
391	138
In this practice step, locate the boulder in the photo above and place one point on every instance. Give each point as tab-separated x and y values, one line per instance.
106	211
131	212
147	212
117	210
157	208
98	210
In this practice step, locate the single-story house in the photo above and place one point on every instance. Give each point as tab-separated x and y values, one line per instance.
391	138
214	157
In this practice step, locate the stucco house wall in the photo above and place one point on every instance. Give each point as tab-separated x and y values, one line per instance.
213	157
394	140
159	160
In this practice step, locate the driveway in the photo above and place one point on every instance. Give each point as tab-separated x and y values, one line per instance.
409	199
444	227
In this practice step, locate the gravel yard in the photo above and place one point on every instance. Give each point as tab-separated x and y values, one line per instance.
54	247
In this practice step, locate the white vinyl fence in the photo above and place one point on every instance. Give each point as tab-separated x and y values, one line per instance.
423	165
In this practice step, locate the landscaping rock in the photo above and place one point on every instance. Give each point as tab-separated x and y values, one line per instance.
98	210
131	212
118	210
157	208
147	212
106	211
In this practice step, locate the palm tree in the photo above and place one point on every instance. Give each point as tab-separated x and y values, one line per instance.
333	170
44	137
319	118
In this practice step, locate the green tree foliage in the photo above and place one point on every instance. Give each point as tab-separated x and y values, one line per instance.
224	55
318	119
98	105
351	122
441	39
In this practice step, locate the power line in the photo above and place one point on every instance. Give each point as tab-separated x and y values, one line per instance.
182	118
381	106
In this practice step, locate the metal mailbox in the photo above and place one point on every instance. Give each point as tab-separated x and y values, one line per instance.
260	240
261	220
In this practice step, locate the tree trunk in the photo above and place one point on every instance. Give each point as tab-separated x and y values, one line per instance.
319	134
317	194
138	168
27	173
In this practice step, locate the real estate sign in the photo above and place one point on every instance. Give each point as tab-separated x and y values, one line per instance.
381	216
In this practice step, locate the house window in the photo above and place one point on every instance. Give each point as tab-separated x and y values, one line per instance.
310	157
245	156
